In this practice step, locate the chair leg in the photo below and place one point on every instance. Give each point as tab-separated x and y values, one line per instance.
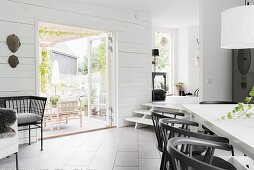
29	134
17	161
162	161
41	137
232	150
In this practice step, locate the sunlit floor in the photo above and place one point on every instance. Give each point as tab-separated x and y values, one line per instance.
112	149
74	126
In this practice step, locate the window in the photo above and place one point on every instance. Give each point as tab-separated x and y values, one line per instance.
164	62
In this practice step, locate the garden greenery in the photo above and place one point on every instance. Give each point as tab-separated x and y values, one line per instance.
162	61
242	109
45	32
98	61
45	70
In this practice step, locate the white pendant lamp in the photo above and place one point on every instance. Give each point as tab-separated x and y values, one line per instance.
237	28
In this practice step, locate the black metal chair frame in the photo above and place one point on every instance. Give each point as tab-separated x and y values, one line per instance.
182	158
169	132
156	116
27	104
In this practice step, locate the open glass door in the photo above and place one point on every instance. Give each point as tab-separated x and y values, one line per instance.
100	78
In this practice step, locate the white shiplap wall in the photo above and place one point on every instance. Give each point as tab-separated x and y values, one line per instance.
133	45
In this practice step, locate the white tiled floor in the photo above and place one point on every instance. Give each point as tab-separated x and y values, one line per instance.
112	149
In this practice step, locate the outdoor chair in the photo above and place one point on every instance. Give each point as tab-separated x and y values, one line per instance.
156	116
68	110
30	112
181	157
169	132
50	117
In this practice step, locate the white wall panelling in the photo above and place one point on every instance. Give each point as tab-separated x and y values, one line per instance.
132	30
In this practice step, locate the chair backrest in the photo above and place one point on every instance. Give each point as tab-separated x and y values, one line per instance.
156	116
25	104
169	131
217	102
69	107
180	149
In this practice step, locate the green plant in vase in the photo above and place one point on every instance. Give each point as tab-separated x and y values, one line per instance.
242	109
178	84
54	99
178	87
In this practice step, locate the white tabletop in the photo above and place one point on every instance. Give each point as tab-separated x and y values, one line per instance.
174	102
163	105
239	132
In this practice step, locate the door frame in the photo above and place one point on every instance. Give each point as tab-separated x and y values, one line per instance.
37	20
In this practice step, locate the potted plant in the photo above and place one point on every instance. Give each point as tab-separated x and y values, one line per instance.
178	87
53	100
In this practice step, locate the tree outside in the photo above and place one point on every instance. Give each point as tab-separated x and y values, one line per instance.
163	62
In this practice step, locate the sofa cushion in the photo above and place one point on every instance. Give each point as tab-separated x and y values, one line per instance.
25	118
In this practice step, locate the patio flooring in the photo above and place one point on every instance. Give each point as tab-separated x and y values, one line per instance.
73	126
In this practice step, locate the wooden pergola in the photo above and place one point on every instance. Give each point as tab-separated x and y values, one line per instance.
51	34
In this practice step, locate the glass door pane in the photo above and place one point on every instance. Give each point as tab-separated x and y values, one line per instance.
98	79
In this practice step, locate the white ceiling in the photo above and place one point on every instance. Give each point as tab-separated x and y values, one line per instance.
165	13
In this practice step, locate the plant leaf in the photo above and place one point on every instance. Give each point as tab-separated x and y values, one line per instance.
230	115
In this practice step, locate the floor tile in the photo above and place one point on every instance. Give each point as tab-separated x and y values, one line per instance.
75	168
149	164
128	146
148	152
127	159
125	168
102	164
81	158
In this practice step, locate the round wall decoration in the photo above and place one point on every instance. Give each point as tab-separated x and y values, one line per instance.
13	61
13	43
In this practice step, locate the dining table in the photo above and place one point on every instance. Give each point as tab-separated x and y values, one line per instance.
240	132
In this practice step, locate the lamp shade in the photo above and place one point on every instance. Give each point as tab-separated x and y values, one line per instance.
237	28
155	52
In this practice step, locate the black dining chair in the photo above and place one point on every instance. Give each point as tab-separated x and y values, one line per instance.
169	132
179	150
156	116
